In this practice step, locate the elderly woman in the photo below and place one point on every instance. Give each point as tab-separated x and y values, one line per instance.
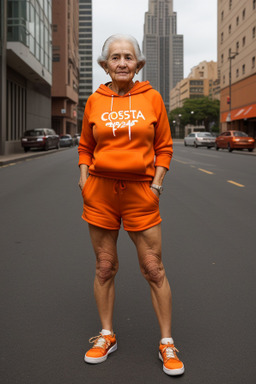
124	152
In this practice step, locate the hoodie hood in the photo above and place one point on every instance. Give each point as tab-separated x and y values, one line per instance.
139	87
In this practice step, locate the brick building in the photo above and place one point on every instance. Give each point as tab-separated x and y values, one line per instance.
237	64
202	81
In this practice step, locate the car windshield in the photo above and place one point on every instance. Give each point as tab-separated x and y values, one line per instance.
65	137
38	132
204	134
240	134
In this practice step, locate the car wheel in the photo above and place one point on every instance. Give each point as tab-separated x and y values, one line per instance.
58	146
216	147
26	150
185	143
250	149
208	147
229	148
46	147
195	144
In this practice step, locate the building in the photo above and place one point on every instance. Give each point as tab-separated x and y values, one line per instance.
65	57
237	64
25	69
202	81
85	53
162	47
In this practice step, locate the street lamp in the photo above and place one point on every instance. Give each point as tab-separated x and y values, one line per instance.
232	55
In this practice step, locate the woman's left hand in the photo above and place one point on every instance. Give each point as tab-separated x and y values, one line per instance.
155	191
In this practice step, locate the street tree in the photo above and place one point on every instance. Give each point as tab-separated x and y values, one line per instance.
201	111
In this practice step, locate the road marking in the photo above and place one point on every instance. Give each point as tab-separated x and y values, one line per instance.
7	165
204	170
237	184
182	162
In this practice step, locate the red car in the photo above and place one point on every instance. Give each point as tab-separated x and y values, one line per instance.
234	140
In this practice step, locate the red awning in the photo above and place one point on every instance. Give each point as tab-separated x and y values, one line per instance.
240	113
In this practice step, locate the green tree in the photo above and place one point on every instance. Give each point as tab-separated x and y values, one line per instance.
202	111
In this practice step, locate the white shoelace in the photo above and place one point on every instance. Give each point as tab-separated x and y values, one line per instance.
169	353
99	341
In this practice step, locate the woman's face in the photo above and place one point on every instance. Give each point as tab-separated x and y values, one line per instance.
122	62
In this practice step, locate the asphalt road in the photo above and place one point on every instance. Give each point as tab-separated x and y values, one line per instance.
47	269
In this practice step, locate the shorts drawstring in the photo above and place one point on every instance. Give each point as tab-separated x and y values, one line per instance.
119	184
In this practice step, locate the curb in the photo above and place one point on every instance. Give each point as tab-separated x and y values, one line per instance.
15	158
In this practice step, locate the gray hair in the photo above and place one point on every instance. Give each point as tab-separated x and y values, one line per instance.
119	37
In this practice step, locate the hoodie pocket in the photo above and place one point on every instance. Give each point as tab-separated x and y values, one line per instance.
120	161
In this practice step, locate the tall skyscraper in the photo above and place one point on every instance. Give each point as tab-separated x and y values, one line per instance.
162	47
85	50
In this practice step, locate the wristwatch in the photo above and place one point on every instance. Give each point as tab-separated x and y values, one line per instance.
159	188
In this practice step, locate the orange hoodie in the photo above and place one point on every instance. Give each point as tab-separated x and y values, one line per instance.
125	137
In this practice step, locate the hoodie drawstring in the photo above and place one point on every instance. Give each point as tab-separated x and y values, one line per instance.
119	185
112	102
130	107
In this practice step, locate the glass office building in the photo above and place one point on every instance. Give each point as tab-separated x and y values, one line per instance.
29	22
27	58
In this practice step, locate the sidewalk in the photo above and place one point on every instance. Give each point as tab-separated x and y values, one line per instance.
16	157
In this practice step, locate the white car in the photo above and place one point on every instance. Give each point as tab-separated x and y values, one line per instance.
198	139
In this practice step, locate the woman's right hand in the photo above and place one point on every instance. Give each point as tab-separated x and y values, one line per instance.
83	175
82	182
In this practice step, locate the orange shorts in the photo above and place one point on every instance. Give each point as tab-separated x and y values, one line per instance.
107	201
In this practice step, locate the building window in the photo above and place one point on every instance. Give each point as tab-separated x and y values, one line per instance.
253	32
222	37
253	62
237	73
222	15
244	14
55	57
244	41
253	4
237	46
222	59
243	69
230	4
237	20
229	29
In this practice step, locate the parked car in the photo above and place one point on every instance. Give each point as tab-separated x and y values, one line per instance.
234	140
76	138
200	139
66	141
44	138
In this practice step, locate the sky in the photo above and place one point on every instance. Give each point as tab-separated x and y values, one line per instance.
196	21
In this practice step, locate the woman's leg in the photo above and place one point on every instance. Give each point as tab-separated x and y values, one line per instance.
104	244
148	244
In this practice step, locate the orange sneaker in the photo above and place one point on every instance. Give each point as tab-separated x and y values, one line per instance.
171	364
103	346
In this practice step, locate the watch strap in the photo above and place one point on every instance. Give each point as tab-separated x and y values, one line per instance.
159	188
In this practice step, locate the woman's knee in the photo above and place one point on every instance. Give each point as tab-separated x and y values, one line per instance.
106	267
153	270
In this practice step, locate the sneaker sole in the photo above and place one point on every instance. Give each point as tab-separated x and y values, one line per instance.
172	372
98	360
